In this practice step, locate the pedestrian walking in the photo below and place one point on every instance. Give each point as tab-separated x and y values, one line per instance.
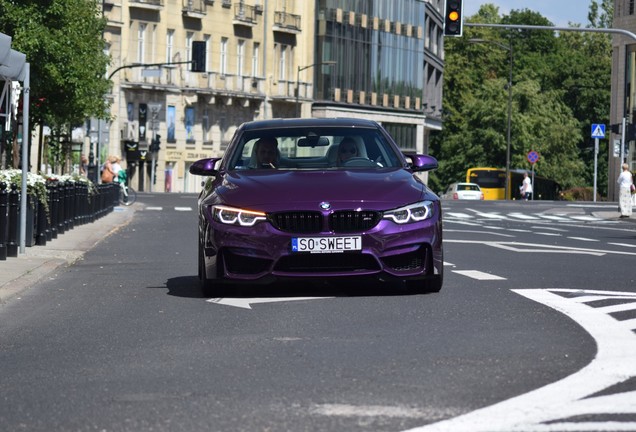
625	187
526	187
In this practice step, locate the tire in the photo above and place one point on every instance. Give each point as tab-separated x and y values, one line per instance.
127	200
210	288
132	195
432	285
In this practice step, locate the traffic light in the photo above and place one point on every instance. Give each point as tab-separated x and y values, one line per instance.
198	56
155	144
453	18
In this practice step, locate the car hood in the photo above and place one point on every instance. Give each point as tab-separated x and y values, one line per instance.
289	190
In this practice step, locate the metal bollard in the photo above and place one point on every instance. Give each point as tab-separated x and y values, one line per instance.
42	226
70	205
53	205
12	238
4	220
61	202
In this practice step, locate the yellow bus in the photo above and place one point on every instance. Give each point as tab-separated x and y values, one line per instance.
492	182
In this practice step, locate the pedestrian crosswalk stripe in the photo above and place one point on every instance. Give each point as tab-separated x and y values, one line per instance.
183	208
154	208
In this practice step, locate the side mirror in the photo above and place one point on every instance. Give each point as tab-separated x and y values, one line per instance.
419	162
204	167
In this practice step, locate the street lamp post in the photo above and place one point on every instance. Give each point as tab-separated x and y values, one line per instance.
509	49
302	68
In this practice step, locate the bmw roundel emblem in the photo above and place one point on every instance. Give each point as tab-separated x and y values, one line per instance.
325	205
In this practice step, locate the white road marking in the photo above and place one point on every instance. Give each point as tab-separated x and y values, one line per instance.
552	217
245	303
583	239
183	208
489	215
459	215
478	232
549	228
449	264
542	248
617	307
550	407
475	274
548	234
523	216
624	244
585	218
154	208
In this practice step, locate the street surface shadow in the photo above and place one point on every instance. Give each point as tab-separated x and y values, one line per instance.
189	287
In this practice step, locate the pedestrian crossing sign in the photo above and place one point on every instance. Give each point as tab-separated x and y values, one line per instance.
598	131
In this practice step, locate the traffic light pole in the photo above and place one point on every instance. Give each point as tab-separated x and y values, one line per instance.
136	65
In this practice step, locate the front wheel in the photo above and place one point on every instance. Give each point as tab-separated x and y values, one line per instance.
127	195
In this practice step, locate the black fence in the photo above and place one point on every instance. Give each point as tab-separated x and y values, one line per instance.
66	205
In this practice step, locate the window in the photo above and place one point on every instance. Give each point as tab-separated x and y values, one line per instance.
205	126
282	63
207	39
141	43
169	45
255	54
223	62
240	57
189	125
188	49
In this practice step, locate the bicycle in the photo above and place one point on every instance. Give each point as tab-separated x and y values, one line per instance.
127	195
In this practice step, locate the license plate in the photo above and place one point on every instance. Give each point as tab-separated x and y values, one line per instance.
326	244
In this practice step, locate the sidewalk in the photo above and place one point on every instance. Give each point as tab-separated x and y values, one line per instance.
19	273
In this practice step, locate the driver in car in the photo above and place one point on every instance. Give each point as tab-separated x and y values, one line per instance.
346	150
266	153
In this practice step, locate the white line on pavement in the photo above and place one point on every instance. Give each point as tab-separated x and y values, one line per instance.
475	274
548	408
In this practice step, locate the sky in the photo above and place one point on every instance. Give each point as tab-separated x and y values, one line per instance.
559	12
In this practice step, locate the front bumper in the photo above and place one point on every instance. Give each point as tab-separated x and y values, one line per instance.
262	253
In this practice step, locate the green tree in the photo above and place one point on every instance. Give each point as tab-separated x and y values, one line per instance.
63	42
560	85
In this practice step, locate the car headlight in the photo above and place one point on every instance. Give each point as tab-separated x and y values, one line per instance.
236	216
411	213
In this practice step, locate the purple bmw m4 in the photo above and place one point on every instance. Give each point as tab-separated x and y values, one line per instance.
316	199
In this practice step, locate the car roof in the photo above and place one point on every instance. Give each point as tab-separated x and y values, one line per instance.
308	122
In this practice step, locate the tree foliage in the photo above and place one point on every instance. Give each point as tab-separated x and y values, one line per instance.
63	43
560	86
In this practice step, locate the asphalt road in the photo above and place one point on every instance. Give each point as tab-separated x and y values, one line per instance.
123	340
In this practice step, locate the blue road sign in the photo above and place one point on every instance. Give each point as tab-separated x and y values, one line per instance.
598	131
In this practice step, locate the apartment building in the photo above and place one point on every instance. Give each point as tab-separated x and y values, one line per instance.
263	59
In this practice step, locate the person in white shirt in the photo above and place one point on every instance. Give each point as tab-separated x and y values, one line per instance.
526	187
625	185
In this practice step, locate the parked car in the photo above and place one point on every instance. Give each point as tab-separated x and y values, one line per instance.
463	191
315	199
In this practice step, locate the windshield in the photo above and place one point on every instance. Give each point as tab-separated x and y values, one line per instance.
313	148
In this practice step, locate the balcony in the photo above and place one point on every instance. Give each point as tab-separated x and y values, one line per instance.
244	15
146	4
194	9
286	22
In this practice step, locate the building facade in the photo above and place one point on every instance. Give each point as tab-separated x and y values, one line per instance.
263	59
623	97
